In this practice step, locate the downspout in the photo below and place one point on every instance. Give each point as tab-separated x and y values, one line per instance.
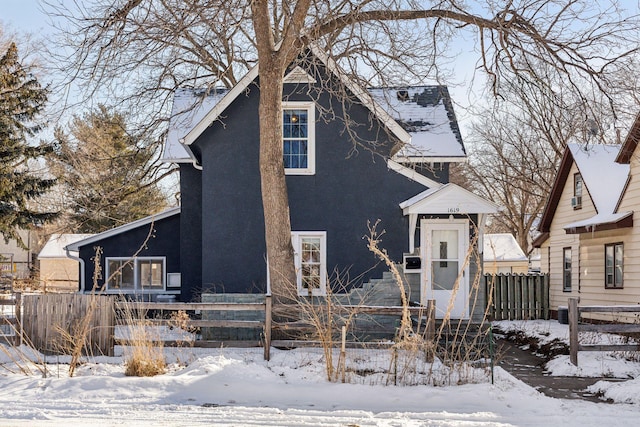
81	261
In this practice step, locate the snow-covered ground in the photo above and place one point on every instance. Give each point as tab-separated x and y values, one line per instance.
236	387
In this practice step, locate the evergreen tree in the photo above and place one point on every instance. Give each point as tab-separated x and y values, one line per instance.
21	100
108	176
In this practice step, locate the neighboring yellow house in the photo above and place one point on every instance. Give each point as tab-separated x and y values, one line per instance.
502	254
57	271
589	244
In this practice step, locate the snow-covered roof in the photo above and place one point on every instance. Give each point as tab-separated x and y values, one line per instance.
423	114
189	108
75	246
54	248
599	219
502	247
426	113
603	178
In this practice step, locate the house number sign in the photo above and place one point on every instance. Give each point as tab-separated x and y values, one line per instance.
453	210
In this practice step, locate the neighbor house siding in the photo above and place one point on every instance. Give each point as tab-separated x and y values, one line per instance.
593	291
630	294
559	239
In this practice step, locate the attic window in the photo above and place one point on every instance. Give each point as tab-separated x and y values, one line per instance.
403	95
576	201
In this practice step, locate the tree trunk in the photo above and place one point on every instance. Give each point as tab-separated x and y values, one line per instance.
275	200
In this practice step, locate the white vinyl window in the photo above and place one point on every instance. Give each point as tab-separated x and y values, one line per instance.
311	261
135	275
298	138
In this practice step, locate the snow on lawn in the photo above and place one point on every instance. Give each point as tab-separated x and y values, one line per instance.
236	387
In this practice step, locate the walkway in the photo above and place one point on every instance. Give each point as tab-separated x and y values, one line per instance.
528	368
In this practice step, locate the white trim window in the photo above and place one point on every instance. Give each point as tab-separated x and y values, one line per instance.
298	135
310	249
136	275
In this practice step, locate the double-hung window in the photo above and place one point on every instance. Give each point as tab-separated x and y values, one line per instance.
311	261
298	134
137	274
613	265
566	269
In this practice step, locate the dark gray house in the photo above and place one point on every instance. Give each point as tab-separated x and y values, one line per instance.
397	173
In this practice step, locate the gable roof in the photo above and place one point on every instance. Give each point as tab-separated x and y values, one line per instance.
426	113
425	123
190	106
54	248
447	199
122	229
630	142
603	179
502	247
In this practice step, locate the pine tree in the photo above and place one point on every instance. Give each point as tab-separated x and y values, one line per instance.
22	99
107	175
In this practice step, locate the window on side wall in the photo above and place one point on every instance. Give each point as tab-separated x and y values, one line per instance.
566	269
576	201
311	262
135	275
298	134
613	265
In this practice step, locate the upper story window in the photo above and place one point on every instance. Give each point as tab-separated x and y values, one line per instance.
613	265
576	201
311	261
298	134
138	274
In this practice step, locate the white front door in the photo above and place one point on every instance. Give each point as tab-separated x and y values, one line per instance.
444	246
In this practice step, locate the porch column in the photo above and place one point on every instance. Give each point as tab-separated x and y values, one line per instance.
413	220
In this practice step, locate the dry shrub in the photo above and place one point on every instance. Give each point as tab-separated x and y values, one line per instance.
144	352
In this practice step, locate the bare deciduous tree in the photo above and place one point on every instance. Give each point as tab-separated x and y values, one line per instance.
155	46
515	155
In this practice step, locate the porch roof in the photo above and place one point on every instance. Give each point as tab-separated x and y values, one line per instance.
448	199
601	222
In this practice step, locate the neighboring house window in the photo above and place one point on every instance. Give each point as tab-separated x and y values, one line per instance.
298	134
566	269
613	263
138	274
576	202
311	261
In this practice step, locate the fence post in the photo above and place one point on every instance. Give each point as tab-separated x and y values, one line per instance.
267	328
17	311
574	315
431	328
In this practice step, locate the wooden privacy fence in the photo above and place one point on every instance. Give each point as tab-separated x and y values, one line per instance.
52	322
517	296
575	328
10	331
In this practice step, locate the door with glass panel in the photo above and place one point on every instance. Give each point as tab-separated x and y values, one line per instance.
444	247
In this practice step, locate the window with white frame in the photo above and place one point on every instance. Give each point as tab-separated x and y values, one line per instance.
311	261
613	265
137	274
298	134
576	202
566	269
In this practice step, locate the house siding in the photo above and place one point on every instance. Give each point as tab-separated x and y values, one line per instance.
559	239
162	243
190	237
349	189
